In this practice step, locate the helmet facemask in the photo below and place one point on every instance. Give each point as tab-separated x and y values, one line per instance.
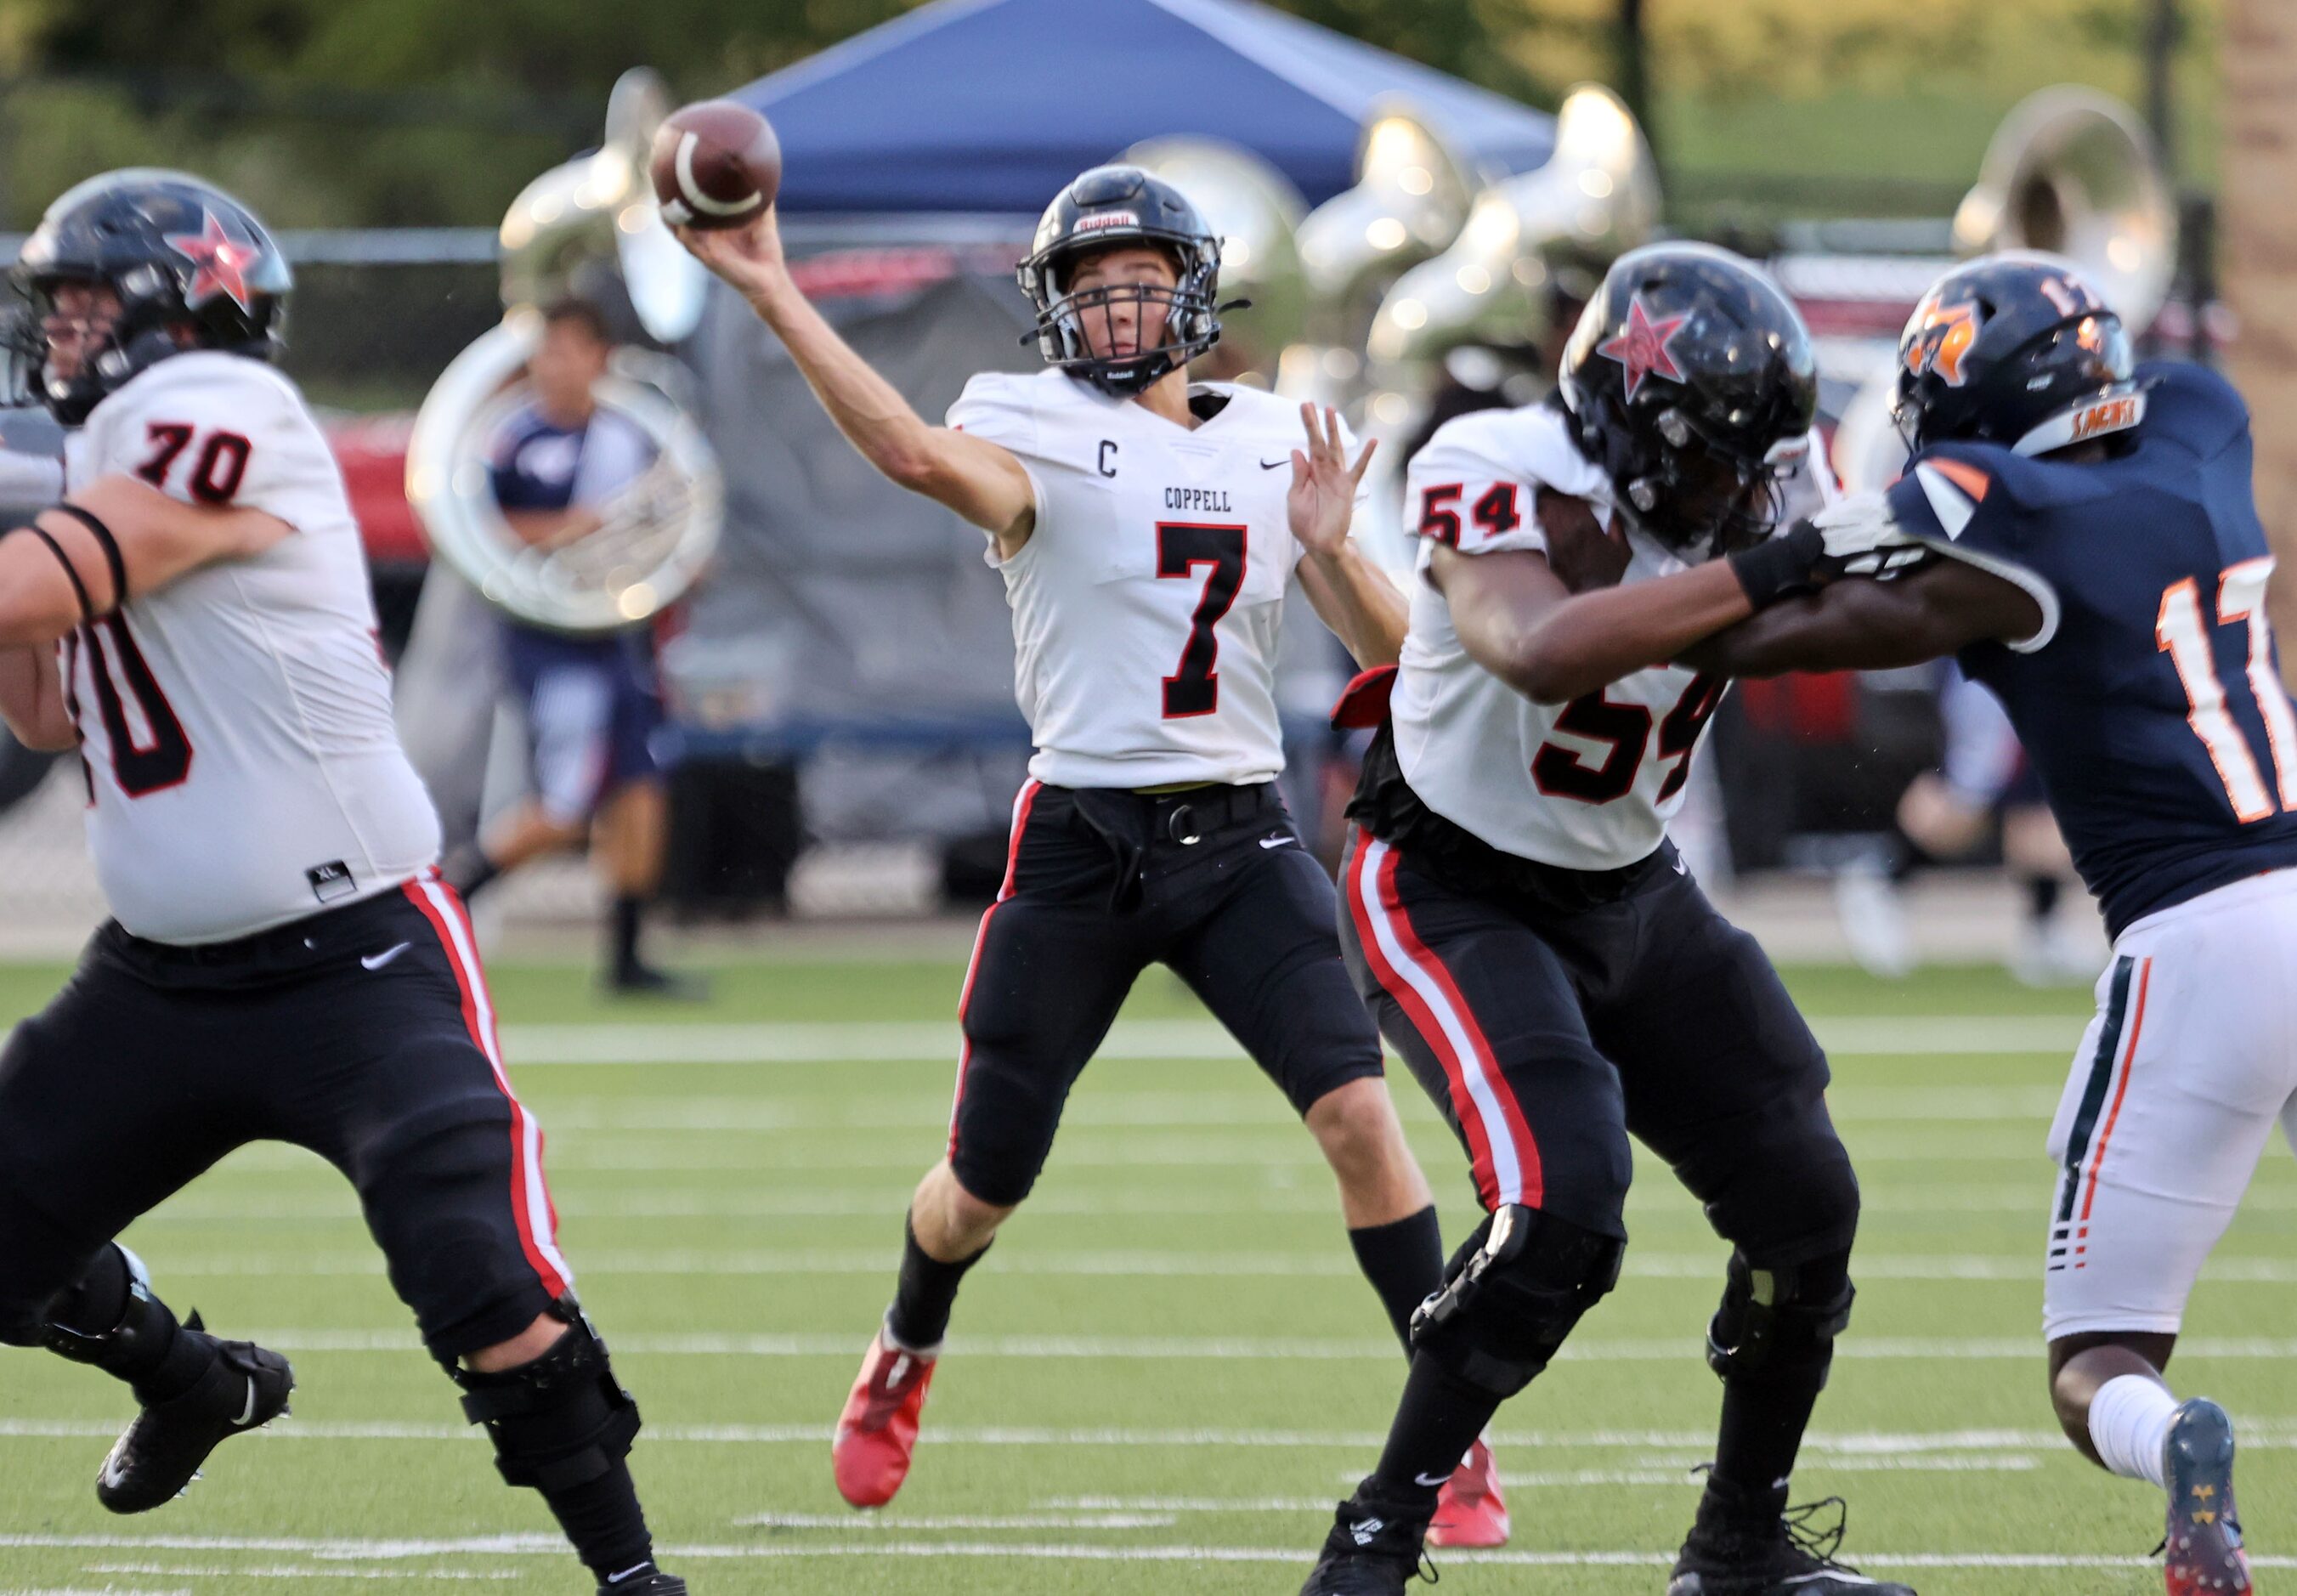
1183	310
1700	498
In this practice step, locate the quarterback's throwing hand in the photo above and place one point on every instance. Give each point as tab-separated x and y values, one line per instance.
749	258
1323	484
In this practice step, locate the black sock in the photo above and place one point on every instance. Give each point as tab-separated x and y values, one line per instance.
2041	898
131	1335
99	1301
624	946
1403	1260
468	869
603	1522
1436	1422
925	1293
1762	1431
1904	858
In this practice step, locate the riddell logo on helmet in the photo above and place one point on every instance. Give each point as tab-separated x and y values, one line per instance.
2112	416
1106	218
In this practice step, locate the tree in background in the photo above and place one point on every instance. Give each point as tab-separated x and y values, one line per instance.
426	111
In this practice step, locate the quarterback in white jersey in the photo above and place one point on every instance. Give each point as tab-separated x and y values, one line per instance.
1146	530
283	963
1535	948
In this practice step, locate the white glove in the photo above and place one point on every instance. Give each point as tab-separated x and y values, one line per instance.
1862	539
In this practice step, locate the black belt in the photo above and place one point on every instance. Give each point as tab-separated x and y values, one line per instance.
1131	823
1386	806
314	939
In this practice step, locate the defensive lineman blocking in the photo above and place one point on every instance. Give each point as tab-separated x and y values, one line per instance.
1146	530
1536	948
283	964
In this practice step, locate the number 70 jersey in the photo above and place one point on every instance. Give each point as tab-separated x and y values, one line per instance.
242	769
1147	602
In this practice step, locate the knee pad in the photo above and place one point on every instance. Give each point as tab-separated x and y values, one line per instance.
1778	1326
1513	1294
562	1420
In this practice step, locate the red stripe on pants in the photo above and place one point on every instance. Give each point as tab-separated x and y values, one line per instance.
1023	802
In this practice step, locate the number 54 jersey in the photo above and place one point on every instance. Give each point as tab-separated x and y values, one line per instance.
1146	602
242	769
2150	700
1588	785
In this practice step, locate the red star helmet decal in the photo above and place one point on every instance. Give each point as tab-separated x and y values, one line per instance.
222	258
1641	346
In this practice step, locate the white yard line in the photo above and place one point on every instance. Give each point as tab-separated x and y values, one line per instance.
929	1040
1184	1349
1656	1200
2265	1435
1665	1266
499	1546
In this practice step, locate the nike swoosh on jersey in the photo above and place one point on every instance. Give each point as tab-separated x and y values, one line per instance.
1274	842
375	961
1273	465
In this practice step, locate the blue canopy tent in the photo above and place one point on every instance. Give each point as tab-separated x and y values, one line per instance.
991	105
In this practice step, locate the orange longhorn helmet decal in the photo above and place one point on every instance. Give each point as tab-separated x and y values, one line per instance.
1942	335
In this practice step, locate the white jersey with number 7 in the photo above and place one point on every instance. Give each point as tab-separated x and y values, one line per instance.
242	767
1146	602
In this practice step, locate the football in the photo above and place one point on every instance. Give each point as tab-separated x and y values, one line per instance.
715	164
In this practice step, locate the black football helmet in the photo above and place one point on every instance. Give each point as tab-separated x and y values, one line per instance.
1690	380
191	268
2013	348
1111	207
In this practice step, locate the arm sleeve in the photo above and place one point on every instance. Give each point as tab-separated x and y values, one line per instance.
1952	502
1459	492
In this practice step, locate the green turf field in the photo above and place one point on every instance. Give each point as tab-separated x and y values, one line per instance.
1167	1370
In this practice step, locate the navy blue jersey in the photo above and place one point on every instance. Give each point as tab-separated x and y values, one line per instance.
2151	699
537	466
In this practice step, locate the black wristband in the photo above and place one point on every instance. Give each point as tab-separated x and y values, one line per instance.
110	544
1781	565
80	587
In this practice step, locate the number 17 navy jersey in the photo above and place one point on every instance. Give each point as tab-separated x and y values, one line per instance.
2150	700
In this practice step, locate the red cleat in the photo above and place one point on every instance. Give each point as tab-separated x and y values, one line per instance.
878	1429
1469	1511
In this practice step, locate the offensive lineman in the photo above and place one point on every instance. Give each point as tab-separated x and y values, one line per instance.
1533	944
2105	577
1146	530
283	963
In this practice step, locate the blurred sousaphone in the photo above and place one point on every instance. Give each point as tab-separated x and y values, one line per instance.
2072	172
1257	212
1595	197
660	531
1410	197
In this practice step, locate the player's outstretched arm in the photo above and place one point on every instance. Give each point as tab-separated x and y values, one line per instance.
1861	624
32	699
978	478
1350	595
1517	619
126	538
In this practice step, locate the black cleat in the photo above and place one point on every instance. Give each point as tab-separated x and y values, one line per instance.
1374	1548
645	1579
245	1388
645	981
2204	1541
1757	1546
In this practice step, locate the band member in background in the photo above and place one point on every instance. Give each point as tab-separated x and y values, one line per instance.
592	703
